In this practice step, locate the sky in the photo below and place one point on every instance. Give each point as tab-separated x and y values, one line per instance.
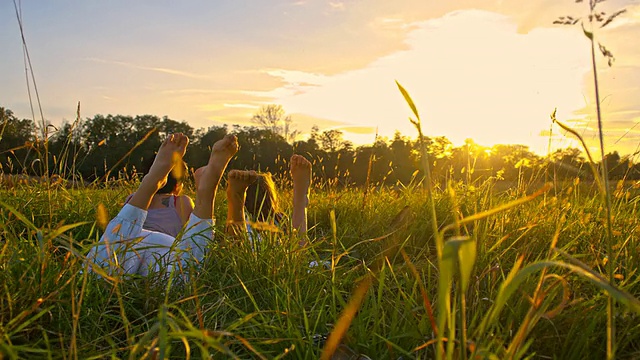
488	70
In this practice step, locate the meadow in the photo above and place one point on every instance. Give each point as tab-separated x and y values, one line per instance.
435	268
518	277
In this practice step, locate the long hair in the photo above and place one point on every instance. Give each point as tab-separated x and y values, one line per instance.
262	201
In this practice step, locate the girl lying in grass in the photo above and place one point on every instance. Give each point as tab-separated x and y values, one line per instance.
127	247
255	193
142	237
169	211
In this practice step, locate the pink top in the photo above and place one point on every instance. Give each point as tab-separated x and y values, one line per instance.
164	220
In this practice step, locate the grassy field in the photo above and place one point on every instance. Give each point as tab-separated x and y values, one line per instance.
520	281
382	267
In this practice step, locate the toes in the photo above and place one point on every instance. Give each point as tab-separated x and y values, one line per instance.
248	175
299	160
182	140
230	139
232	142
241	176
178	139
228	144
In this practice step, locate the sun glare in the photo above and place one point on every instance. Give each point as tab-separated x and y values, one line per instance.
471	75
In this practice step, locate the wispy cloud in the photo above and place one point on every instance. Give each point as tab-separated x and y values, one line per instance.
337	5
392	24
294	83
191	91
498	97
363	130
151	68
241	106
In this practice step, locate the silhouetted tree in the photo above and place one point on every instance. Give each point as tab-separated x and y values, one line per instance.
569	163
273	118
122	143
200	145
17	143
331	140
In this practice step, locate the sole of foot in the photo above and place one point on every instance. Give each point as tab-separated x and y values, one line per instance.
300	172
221	153
239	181
169	154
223	150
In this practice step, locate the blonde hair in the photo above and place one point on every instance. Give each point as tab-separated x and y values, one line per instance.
262	201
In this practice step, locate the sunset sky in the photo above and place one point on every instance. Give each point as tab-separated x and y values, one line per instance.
490	70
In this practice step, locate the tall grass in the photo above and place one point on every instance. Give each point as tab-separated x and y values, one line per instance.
592	20
413	272
269	303
458	253
421	272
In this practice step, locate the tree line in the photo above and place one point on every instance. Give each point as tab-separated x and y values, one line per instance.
117	146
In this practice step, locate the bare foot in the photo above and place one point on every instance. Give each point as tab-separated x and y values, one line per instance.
221	152
171	151
208	177
301	173
239	181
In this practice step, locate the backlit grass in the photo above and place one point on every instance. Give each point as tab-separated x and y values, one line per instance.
269	303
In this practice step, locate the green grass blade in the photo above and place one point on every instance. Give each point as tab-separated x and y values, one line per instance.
19	215
408	99
517	277
445	279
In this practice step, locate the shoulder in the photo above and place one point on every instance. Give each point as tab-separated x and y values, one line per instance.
184	201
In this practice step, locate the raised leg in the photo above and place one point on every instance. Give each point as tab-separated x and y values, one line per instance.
171	151
210	175
116	248
301	174
238	182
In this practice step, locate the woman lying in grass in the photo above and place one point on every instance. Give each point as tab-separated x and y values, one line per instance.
169	210
255	193
127	247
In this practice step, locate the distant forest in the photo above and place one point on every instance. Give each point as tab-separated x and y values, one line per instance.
112	147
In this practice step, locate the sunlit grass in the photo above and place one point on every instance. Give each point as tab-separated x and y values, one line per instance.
270	303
